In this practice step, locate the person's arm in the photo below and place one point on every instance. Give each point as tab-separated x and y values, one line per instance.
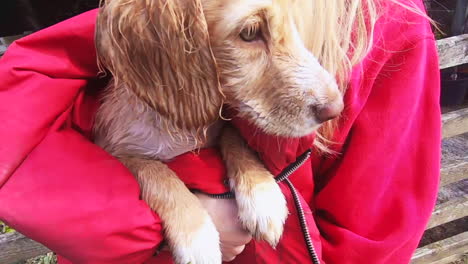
55	185
375	200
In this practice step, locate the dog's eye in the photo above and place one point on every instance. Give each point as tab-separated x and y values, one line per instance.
250	34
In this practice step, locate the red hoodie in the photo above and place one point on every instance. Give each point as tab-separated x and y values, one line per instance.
370	204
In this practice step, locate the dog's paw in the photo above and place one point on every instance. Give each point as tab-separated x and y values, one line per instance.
262	210
198	247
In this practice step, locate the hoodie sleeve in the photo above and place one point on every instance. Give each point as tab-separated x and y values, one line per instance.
55	185
375	199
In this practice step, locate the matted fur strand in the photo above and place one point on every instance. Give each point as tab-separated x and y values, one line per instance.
160	49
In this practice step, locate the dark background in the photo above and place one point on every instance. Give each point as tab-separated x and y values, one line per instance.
19	16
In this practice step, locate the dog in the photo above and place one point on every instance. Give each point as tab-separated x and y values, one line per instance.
174	65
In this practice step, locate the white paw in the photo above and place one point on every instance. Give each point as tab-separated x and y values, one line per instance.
263	211
201	247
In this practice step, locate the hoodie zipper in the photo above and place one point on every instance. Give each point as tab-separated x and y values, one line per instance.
283	176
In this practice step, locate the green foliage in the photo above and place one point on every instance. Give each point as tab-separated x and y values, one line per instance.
5	229
50	258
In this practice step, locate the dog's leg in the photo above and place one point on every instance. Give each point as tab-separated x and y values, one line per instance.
262	206
191	234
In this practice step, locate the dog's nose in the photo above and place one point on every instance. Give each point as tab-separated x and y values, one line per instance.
328	111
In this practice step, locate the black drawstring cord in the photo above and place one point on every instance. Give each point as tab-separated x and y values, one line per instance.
283	176
303	222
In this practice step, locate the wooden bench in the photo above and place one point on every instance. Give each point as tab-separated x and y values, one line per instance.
438	245
446	236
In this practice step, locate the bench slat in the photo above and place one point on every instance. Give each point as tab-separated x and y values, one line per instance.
456	207
454	164
442	252
453	51
14	247
455	122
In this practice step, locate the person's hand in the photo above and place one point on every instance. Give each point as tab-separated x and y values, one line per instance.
233	236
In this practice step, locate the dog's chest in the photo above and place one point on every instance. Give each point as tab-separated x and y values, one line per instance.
126	126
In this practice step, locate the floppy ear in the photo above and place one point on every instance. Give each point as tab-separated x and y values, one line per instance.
160	49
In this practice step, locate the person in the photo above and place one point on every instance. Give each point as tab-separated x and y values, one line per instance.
367	203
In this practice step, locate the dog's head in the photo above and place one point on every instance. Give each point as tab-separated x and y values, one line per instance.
265	69
186	57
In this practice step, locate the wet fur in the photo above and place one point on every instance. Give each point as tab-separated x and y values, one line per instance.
174	64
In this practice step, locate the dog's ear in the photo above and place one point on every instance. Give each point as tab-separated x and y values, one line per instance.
161	50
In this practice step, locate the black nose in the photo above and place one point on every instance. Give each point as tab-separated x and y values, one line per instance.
328	111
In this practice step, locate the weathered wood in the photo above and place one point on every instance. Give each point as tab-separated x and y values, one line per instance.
15	247
452	191
453	259
453	51
455	123
449	211
444	231
442	251
454	164
3	49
